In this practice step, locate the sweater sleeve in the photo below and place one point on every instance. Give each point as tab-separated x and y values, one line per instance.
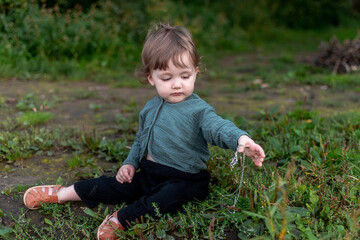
218	131
134	155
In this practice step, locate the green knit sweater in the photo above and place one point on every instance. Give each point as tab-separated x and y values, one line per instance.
177	134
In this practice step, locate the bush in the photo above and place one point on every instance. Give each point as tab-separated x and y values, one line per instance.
38	37
309	14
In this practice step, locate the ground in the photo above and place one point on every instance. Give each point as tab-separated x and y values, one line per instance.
89	105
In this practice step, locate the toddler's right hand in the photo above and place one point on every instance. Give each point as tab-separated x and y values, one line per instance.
125	173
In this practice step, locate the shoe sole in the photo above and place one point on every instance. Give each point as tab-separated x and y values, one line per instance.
98	232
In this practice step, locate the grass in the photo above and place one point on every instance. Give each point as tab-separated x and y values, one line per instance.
34	118
308	188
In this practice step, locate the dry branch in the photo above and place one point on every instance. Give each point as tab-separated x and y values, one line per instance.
339	58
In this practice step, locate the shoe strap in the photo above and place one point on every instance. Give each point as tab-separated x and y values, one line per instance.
112	224
53	197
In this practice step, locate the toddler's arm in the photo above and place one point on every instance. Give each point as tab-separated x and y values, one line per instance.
253	150
125	173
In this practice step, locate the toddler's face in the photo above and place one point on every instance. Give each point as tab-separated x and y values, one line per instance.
175	84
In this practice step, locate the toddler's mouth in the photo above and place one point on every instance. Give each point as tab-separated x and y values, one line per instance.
176	94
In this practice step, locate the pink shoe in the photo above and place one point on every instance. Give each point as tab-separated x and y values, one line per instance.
46	194
108	227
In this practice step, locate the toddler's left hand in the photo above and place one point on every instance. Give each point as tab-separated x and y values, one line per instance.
253	150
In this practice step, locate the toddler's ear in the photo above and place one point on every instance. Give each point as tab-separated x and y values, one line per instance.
149	78
197	70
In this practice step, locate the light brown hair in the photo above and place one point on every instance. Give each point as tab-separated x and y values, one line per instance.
164	43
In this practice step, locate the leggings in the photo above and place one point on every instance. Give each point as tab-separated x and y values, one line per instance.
167	187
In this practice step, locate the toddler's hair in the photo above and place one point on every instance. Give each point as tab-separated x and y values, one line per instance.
163	43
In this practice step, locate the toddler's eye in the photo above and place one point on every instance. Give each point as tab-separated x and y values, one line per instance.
186	77
165	79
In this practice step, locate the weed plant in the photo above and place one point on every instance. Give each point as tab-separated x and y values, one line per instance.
34	118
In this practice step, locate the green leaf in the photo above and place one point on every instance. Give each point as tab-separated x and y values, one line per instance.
341	229
243	203
251	214
208	215
297	132
302	212
353	192
47	221
4	231
276	145
295	148
90	212
2	214
316	155
59	181
169	237
263	237
302	188
270	227
242	236
161	233
309	234
314	198
306	164
239	216
106	212
179	234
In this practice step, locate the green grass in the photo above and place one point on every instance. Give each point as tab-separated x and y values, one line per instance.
308	188
34	118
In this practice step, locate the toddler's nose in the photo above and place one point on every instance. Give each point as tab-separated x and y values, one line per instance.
176	83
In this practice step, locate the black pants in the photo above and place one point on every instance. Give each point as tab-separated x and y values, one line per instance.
169	188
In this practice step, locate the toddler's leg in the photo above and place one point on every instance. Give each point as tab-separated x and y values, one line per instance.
169	198
109	191
68	194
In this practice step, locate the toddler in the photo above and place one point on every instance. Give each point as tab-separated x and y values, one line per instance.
167	162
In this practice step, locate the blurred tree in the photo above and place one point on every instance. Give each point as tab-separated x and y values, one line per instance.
112	31
309	14
64	5
356	5
7	5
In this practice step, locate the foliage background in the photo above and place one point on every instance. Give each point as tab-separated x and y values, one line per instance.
89	38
